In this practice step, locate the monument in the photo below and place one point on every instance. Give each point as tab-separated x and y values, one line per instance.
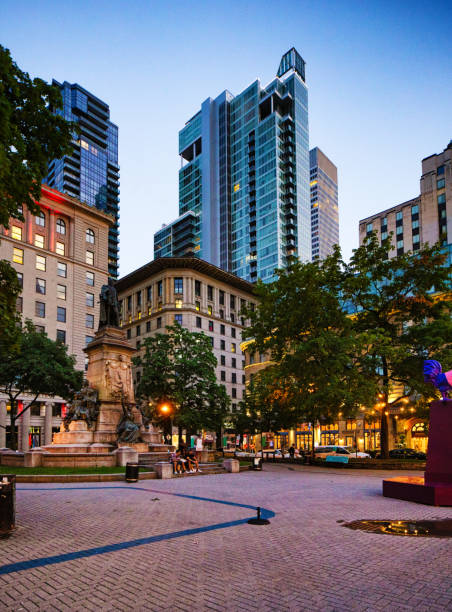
435	487
103	418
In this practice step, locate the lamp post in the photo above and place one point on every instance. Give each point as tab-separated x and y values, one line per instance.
166	411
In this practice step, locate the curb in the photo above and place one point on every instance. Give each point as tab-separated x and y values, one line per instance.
38	478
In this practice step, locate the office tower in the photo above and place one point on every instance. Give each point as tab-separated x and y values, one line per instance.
324	204
425	218
245	175
197	295
91	173
60	256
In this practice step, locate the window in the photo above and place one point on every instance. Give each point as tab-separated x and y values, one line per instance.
233	332
198	288
90	279
243	379
209	309
400	244
160	288
89	258
222	345
149	294
40	219
211	341
159	322
178	285
62	269
223	375
90	299
88	339
441	184
89	235
440	170
399	229
198	322
16	232
39	241
233	348
60	226
234	392
222	329
442	198
61	314
40	263
138	299
210	293
222	297
40	309
18	256
415	210
221	314
60	248
19	304
416	238
61	336
178	319
20	278
61	292
178	303
129	302
40	286
369	228
138	330
89	321
129	334
222	360
415	224
399	216
232	302
232	317
234	378
211	326
197	306
233	362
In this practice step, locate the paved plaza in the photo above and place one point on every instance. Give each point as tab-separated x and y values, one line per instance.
184	544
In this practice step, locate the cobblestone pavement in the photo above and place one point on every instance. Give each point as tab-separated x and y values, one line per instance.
303	560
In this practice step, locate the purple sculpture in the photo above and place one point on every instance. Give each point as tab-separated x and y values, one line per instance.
441	380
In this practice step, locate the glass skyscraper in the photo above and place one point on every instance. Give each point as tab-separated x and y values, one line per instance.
91	173
245	175
324	204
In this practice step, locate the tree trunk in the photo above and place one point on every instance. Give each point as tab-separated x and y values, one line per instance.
384	421
179	434
13	417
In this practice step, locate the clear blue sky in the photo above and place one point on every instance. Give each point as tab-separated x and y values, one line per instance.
379	77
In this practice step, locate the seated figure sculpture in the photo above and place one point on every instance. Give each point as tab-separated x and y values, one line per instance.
127	430
434	375
84	407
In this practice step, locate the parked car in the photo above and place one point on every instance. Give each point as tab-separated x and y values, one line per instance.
407	453
321	452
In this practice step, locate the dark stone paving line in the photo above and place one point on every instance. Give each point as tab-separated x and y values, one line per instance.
100	550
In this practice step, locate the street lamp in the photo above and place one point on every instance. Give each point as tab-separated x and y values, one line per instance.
165	411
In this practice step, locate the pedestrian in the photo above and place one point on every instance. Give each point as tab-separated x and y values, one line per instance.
292	451
198	447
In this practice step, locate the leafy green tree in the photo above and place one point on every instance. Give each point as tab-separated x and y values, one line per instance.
9	317
38	366
178	368
403	305
302	326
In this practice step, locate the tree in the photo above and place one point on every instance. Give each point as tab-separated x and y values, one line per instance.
31	135
38	366
178	368
403	304
9	317
302	325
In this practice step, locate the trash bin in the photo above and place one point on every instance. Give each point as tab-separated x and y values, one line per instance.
132	471
7	504
257	463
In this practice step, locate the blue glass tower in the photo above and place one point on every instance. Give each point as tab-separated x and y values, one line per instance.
245	175
91	173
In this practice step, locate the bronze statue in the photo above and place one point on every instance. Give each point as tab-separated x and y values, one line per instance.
84	407
127	430
109	306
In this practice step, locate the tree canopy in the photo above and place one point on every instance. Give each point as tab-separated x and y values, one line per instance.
39	366
178	368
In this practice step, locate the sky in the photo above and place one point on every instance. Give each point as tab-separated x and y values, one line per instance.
379	75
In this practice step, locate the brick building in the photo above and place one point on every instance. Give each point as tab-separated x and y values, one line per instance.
61	258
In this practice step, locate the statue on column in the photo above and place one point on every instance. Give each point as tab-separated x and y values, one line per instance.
109	306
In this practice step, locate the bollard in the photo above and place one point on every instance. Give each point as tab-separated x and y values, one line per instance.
258	520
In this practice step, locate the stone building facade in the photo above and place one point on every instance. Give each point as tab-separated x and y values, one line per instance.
425	218
198	295
61	258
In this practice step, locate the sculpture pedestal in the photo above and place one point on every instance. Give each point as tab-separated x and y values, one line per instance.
435	488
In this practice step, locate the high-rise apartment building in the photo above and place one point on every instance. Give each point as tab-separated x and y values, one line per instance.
60	256
425	218
324	204
177	239
91	173
245	175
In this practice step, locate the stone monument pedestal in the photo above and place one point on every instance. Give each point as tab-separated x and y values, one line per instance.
435	487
